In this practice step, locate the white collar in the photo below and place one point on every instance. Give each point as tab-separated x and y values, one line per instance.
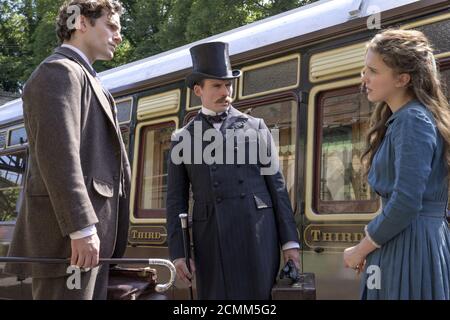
208	112
80	53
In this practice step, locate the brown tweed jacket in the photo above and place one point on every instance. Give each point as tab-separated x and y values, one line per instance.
77	161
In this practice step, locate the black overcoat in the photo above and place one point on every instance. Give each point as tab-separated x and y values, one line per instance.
240	217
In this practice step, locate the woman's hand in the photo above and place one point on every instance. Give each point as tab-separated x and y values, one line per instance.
354	258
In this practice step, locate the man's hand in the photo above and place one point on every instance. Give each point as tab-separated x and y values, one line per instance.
85	252
182	270
292	254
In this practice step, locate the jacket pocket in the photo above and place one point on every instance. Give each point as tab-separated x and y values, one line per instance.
262	200
103	188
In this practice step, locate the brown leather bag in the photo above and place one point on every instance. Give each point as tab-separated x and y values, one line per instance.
133	284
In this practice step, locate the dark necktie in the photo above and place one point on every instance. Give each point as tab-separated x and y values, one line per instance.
217	118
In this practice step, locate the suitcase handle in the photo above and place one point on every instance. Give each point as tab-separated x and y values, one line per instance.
159	262
290	271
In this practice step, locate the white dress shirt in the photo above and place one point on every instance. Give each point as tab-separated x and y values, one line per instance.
217	125
90	230
80	53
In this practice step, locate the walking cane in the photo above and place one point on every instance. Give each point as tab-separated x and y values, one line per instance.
187	246
159	262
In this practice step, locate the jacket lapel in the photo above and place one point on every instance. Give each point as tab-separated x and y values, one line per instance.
235	120
95	85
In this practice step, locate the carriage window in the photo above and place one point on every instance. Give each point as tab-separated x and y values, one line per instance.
17	137
445	74
283	116
271	76
340	183
155	141
194	101
438	35
124	110
12	169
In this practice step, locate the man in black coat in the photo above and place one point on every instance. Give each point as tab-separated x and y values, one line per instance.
242	215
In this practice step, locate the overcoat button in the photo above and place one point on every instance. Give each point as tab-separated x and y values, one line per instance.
116	178
243	195
241	180
216	184
219	200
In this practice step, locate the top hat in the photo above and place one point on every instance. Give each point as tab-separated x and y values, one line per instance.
210	61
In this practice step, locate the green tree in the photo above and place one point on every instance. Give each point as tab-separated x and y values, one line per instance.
13	40
27	29
172	31
208	18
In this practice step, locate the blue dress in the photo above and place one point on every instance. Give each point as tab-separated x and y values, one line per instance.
409	172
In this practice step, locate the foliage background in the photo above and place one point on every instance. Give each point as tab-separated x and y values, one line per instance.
27	29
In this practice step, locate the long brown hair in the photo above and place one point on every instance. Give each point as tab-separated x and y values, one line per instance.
408	51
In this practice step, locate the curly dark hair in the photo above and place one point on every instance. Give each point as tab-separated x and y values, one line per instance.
91	9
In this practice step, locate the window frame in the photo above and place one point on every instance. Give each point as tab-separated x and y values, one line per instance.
268	63
349	206
311	151
8	146
137	174
22	183
121	100
427	21
444	65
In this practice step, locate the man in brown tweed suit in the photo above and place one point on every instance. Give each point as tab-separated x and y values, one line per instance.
76	189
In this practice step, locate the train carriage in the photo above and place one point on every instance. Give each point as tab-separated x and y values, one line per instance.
301	73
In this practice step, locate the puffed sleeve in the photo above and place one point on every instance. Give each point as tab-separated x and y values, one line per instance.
414	141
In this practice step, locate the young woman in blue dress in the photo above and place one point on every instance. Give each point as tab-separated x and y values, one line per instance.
406	251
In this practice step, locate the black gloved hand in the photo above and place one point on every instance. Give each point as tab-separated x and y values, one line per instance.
290	271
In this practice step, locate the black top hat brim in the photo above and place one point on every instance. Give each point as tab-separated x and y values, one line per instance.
195	77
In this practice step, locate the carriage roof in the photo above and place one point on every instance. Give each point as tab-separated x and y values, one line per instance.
279	28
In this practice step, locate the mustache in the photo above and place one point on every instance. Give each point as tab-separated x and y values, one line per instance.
224	99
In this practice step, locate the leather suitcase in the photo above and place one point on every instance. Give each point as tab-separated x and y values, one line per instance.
133	284
304	289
